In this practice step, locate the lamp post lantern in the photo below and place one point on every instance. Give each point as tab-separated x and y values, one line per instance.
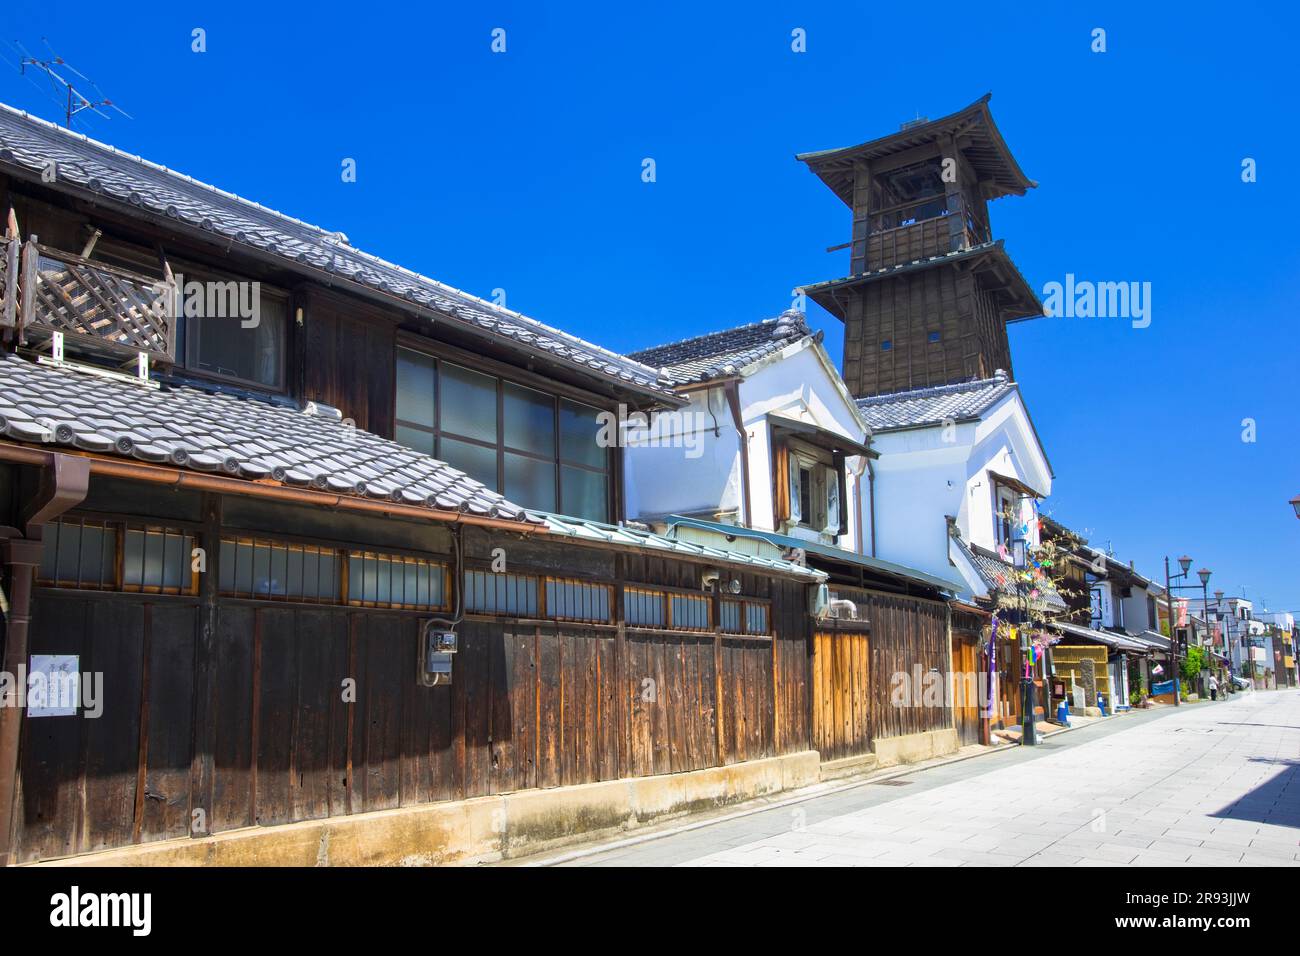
1184	562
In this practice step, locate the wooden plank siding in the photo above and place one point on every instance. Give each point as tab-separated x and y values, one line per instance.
857	664
315	710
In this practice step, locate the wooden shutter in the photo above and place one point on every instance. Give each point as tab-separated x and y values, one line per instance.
781	460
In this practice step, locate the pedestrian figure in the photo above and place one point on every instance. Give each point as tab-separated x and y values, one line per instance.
1214	688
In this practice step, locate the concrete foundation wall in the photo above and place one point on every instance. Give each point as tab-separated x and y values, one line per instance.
483	829
915	747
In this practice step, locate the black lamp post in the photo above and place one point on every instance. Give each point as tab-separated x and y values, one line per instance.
1185	563
1020	560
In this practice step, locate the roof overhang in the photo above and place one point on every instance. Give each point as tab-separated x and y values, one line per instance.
1016	484
1108	638
1014	298
824	552
599	371
971	129
819	437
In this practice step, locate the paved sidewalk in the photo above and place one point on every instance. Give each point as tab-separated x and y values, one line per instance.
1211	784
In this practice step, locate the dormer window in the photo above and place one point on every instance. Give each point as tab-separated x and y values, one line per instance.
814	492
1007	515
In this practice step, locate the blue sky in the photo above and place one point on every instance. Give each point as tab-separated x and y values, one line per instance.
522	171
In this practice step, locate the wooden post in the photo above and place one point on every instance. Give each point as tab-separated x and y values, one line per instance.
202	765
28	285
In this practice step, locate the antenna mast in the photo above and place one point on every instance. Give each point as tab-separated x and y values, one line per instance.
54	67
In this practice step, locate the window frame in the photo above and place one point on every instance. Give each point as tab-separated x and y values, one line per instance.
121	527
500	447
121	253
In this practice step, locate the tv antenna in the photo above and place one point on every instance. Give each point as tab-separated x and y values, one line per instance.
73	100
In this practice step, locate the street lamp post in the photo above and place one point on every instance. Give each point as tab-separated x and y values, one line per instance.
1185	563
1028	732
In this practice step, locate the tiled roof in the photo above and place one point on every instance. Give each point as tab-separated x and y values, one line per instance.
1020	302
722	353
649	541
999	576
244	438
1109	638
921	407
31	144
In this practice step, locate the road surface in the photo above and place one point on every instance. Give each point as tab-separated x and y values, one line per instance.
1213	784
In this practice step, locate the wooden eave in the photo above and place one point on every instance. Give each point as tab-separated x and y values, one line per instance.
1015	298
973	131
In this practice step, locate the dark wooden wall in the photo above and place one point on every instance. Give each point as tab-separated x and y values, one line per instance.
347	359
904	310
531	705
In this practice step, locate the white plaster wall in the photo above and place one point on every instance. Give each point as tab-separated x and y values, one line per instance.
926	473
800	383
699	473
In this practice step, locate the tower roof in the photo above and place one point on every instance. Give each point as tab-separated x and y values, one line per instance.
972	128
1014	297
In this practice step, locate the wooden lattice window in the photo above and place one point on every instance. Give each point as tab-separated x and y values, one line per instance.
276	570
745	616
570	600
515	595
690	612
397	581
644	607
118	556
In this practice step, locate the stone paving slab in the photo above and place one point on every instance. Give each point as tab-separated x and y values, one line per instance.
1211	784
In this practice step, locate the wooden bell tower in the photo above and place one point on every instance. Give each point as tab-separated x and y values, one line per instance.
929	291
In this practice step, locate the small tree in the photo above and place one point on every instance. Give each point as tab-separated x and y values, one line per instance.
1193	662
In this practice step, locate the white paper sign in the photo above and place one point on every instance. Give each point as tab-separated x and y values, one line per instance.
53	685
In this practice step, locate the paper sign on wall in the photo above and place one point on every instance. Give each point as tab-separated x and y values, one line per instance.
53	685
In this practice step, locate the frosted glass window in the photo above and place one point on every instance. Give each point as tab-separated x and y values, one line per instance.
278	570
583	493
395	581
490	593
477	461
579	429
416	388
529	418
77	554
577	601
642	608
530	482
690	612
731	617
469	403
156	560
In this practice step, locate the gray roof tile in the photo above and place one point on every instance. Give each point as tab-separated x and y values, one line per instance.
722	353
30	144
920	407
1000	578
242	437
